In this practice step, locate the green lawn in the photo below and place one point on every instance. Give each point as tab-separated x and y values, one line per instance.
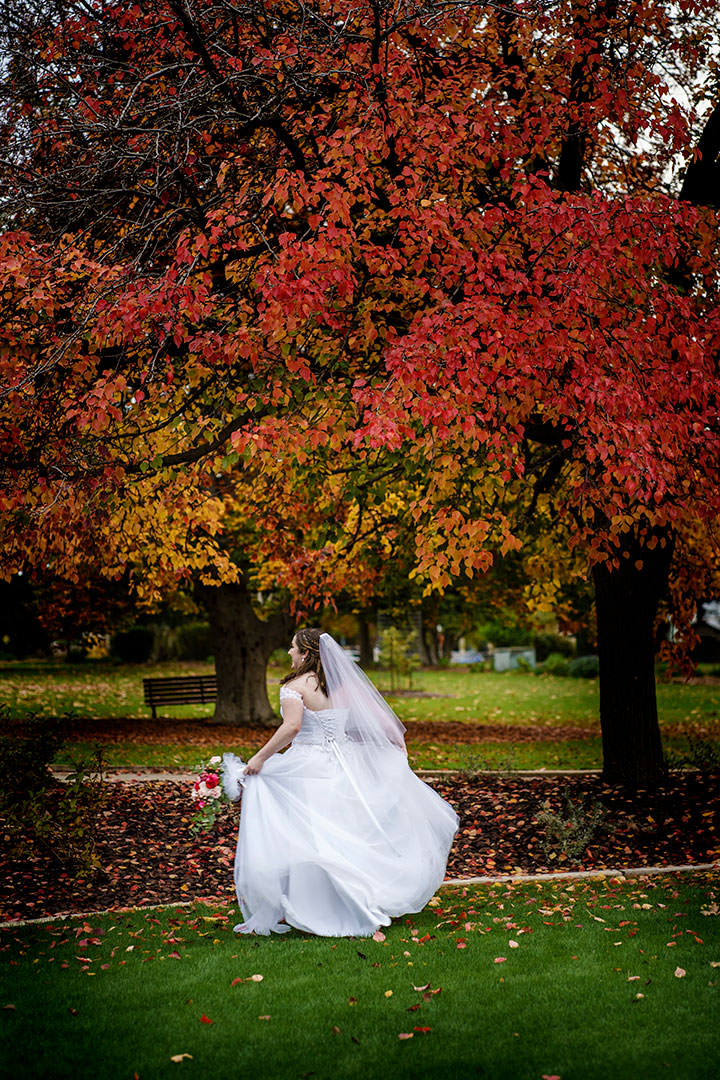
579	981
562	754
98	689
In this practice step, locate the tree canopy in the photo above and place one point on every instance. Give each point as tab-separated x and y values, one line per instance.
434	274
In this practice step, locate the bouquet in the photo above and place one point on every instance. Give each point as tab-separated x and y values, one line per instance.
219	782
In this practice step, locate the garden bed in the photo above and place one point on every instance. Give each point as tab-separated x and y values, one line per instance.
148	855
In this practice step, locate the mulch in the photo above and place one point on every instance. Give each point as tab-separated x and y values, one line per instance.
149	856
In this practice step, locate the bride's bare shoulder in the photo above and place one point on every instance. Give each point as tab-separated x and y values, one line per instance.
308	688
303	684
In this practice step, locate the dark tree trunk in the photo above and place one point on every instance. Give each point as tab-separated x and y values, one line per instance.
243	644
364	646
626	602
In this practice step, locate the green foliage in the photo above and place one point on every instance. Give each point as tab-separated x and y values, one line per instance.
41	816
26	756
133	646
556	664
546	644
584	667
194	641
697	753
397	654
505	630
568	835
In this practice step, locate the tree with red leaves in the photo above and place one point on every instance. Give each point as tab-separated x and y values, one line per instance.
441	276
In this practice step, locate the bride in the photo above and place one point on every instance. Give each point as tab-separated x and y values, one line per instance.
337	836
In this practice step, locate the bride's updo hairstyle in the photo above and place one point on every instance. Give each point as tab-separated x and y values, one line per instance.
308	642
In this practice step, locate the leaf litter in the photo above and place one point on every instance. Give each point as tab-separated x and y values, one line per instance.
148	856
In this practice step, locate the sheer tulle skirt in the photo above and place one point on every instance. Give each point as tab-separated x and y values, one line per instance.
327	846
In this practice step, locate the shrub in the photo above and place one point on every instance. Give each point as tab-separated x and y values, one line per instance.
133	646
397	653
700	754
556	664
26	756
194	641
568	836
584	667
42	817
546	644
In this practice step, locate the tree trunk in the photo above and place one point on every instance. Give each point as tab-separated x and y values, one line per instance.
364	645
626	603
243	644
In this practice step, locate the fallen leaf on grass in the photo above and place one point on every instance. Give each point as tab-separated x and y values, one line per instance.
420	988
174	956
679	973
422	1030
205	1019
181	1057
405	1035
13	1008
514	944
545	1076
388	993
499	959
263	1017
378	936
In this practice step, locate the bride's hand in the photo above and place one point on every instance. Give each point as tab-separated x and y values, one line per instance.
253	766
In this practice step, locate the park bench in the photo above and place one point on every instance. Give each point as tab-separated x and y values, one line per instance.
179	690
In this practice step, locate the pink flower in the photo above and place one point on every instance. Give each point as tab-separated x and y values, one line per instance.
200	804
212	780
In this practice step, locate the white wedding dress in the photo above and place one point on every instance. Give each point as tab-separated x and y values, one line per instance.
330	844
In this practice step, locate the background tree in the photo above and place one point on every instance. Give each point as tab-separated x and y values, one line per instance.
445	239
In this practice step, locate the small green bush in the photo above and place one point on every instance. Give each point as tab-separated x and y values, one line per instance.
26	756
556	664
194	641
584	667
546	644
568	835
397	654
40	816
699	753
133	646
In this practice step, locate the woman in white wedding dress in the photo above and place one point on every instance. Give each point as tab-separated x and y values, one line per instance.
337	835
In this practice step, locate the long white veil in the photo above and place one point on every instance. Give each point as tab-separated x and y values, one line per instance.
371	722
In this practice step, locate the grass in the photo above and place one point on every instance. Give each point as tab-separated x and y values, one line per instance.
101	690
607	979
98	689
559	754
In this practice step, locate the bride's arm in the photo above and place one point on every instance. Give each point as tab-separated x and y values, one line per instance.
292	710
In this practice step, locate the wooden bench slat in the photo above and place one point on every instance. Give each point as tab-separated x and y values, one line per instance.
179	690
